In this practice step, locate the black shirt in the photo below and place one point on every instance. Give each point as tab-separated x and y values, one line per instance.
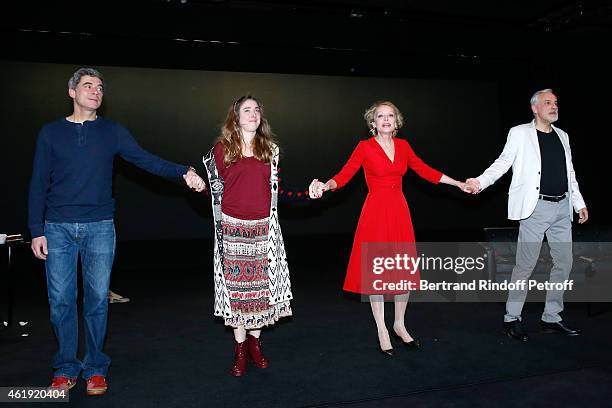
553	180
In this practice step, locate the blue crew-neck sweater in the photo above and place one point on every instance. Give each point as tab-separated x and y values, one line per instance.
73	171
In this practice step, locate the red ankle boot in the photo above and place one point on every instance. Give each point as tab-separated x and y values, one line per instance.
240	359
254	349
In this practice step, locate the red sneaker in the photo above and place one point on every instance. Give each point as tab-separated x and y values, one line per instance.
96	385
62	383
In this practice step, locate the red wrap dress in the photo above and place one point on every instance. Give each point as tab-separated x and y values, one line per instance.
385	216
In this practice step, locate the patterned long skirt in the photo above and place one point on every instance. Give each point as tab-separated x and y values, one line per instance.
245	266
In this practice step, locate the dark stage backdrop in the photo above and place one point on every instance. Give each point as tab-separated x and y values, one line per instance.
454	125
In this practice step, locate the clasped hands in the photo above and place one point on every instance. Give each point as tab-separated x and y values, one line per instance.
471	186
194	181
316	189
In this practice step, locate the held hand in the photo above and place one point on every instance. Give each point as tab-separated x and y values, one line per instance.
194	181
467	188
451	181
316	189
39	247
199	184
463	187
472	186
583	215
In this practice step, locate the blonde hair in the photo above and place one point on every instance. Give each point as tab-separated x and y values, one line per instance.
369	116
231	138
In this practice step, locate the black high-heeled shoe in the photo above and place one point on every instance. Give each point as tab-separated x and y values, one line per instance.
412	344
387	352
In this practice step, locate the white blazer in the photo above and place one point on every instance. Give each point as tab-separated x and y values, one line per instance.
522	152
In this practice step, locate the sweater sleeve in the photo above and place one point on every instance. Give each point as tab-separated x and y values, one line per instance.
351	167
39	186
131	151
421	168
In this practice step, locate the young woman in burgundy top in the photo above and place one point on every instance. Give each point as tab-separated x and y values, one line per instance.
385	217
252	286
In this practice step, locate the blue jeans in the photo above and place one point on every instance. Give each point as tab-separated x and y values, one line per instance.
95	243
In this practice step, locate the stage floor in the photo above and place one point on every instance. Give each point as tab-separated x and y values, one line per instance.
169	351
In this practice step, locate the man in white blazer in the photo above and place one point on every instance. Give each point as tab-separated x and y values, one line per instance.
542	194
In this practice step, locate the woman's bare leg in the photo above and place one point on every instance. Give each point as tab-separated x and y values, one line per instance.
378	311
401	302
239	334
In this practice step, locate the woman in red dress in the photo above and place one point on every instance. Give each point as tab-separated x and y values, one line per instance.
385	217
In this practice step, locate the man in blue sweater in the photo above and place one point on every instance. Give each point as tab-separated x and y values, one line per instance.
70	214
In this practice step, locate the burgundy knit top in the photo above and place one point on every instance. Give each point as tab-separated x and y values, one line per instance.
246	193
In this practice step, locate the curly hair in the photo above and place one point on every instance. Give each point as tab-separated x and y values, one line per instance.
231	138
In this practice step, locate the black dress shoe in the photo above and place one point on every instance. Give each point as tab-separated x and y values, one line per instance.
559	327
515	330
412	344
